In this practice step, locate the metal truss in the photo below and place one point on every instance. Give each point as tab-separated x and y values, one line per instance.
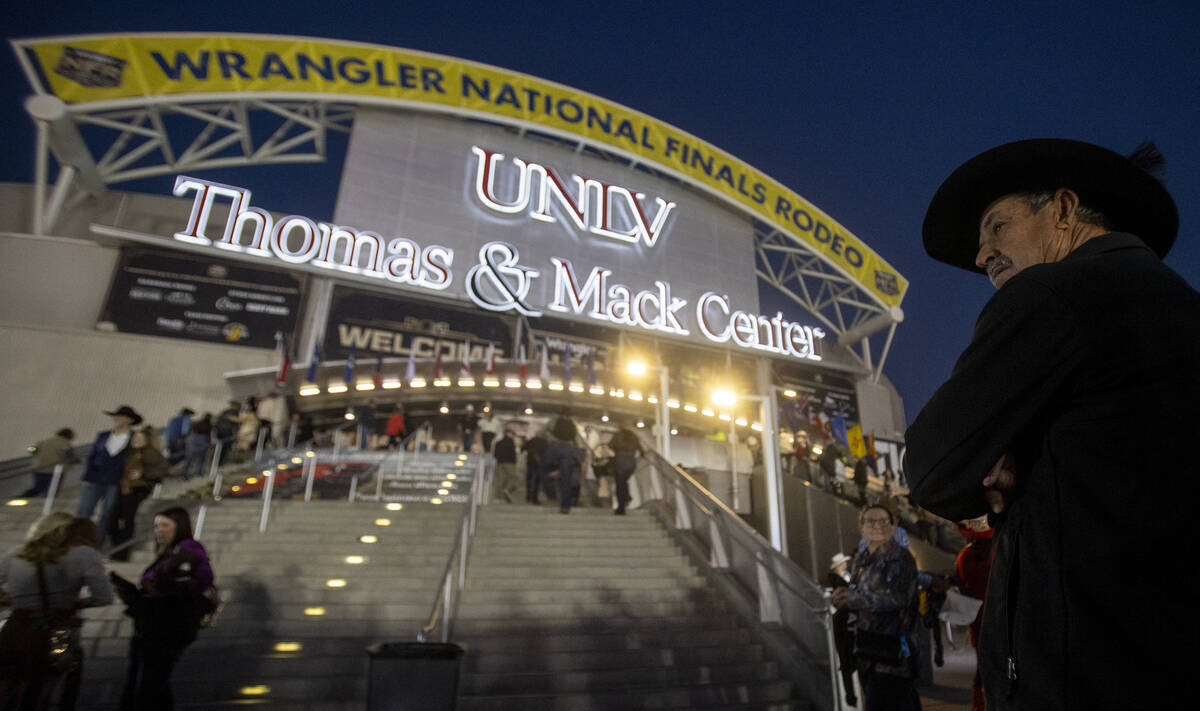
845	308
99	147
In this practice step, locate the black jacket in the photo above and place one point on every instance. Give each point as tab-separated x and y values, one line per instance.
1086	371
505	450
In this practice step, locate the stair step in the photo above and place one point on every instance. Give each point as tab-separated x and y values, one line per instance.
607	680
689	697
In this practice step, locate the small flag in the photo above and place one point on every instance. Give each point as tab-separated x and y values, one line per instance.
491	358
521	362
567	358
349	374
855	442
544	372
465	369
410	371
314	362
285	361
437	364
378	376
591	367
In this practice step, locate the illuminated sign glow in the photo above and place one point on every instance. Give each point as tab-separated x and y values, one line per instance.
299	240
497	282
595	207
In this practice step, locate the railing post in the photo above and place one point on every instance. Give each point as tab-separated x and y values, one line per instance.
215	466
462	559
55	480
200	516
720	554
683	515
258	448
446	607
353	488
268	490
768	599
291	440
216	491
834	658
311	462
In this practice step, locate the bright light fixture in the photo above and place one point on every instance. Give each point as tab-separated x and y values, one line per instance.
443	492
636	367
435	501
256	690
314	611
251	480
789	393
368	539
354	559
451	476
512	383
364	385
466	382
596	390
416	383
575	388
724	398
18	502
309	391
383	522
689	407
335	583
338	388
288	647
391	384
394	506
491	382
556	386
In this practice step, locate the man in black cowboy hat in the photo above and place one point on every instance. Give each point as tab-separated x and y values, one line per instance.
105	466
1089	343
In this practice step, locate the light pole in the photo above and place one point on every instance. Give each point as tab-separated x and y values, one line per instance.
770	434
639	368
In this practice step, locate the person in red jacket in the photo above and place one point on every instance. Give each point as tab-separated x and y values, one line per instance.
396	429
973	565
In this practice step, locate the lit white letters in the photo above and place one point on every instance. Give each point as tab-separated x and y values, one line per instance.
775	335
300	240
653	310
596	207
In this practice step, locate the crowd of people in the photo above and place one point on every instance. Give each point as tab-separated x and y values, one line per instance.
43	582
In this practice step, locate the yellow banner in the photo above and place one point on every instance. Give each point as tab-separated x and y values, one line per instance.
101	68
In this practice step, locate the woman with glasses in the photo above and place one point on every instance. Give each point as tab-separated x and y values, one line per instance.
882	599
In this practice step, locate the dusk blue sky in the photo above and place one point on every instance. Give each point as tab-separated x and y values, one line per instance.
863	108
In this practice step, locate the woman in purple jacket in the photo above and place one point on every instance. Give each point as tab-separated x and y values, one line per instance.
166	608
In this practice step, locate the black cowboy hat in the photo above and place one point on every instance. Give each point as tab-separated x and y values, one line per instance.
126	411
1130	197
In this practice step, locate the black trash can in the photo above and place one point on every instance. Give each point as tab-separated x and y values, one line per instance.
413	676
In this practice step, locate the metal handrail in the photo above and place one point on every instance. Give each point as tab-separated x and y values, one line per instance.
775	580
446	595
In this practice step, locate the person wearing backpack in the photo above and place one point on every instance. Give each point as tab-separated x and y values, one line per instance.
563	457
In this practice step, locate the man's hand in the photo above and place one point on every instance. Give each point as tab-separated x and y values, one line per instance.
839	596
999	483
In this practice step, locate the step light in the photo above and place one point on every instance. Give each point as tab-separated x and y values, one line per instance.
17	502
447	485
314	611
251	480
383	522
640	424
604	417
459	463
451	477
281	467
235	488
256	690
443	492
528	410
368	539
355	560
297	460
288	646
435	501
394	506
335	583
310	454
462	456
444	409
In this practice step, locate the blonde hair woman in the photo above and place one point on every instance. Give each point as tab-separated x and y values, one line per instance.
42	581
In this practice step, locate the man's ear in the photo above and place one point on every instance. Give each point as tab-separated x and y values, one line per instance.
1066	202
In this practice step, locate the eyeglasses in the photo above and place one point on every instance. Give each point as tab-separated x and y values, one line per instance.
877	521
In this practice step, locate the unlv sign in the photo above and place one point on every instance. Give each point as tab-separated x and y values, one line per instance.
596	207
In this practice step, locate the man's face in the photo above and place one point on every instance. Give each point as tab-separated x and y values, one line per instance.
1013	237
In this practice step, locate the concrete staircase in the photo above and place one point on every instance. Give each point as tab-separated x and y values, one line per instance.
269	581
595	611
